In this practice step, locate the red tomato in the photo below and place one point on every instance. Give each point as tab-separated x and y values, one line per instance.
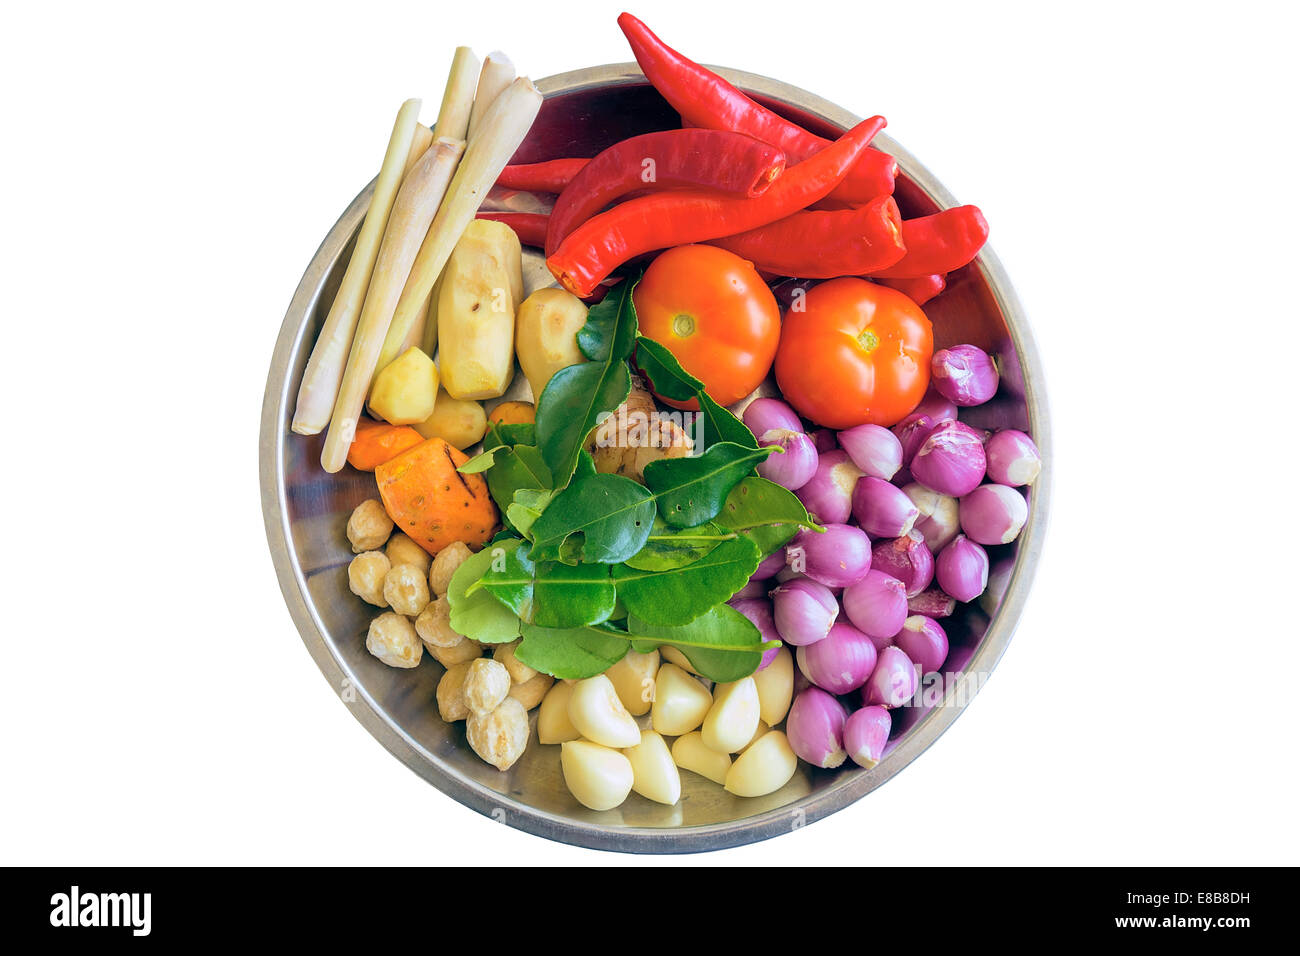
713	311
856	353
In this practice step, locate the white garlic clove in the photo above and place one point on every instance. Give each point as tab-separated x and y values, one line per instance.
730	724
654	775
599	778
600	716
633	678
689	753
765	767
775	684
553	724
681	702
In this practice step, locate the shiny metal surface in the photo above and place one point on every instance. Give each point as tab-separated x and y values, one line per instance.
305	512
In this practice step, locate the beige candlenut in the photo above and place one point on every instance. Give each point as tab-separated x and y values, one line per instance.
499	737
369	526
406	590
445	564
451	692
532	691
434	625
402	550
466	650
393	640
486	685
366	573
519	671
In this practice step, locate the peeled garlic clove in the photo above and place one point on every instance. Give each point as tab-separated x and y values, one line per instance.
599	778
775	684
758	733
598	714
689	753
633	678
765	767
654	775
681	703
733	718
553	724
674	656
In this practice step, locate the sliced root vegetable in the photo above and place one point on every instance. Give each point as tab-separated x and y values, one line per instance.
405	389
459	423
433	503
476	311
324	373
458	96
504	128
413	211
497	74
377	443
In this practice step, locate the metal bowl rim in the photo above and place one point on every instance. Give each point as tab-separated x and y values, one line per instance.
852	785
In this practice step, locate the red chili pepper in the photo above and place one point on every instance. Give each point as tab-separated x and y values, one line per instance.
939	243
729	162
529	226
548	177
677	217
706	100
824	245
920	290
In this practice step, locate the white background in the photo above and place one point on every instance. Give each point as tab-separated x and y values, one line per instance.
170	174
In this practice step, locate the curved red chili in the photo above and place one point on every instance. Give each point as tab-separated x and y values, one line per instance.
825	244
939	243
676	217
920	290
729	162
530	227
706	100
548	177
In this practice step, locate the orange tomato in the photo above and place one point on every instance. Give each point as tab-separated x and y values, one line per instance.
713	311
854	353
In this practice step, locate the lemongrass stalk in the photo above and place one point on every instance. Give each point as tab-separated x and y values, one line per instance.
458	96
420	144
497	74
429	343
504	128
415	337
324	372
417	204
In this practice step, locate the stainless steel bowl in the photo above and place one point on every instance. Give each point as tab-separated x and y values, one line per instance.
306	510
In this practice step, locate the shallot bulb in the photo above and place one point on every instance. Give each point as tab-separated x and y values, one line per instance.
893	681
803	611
937	518
866	733
993	514
877	606
1013	458
874	449
840	663
924	641
882	509
828	494
950	460
964	374
906	558
815	728
835	557
962	569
